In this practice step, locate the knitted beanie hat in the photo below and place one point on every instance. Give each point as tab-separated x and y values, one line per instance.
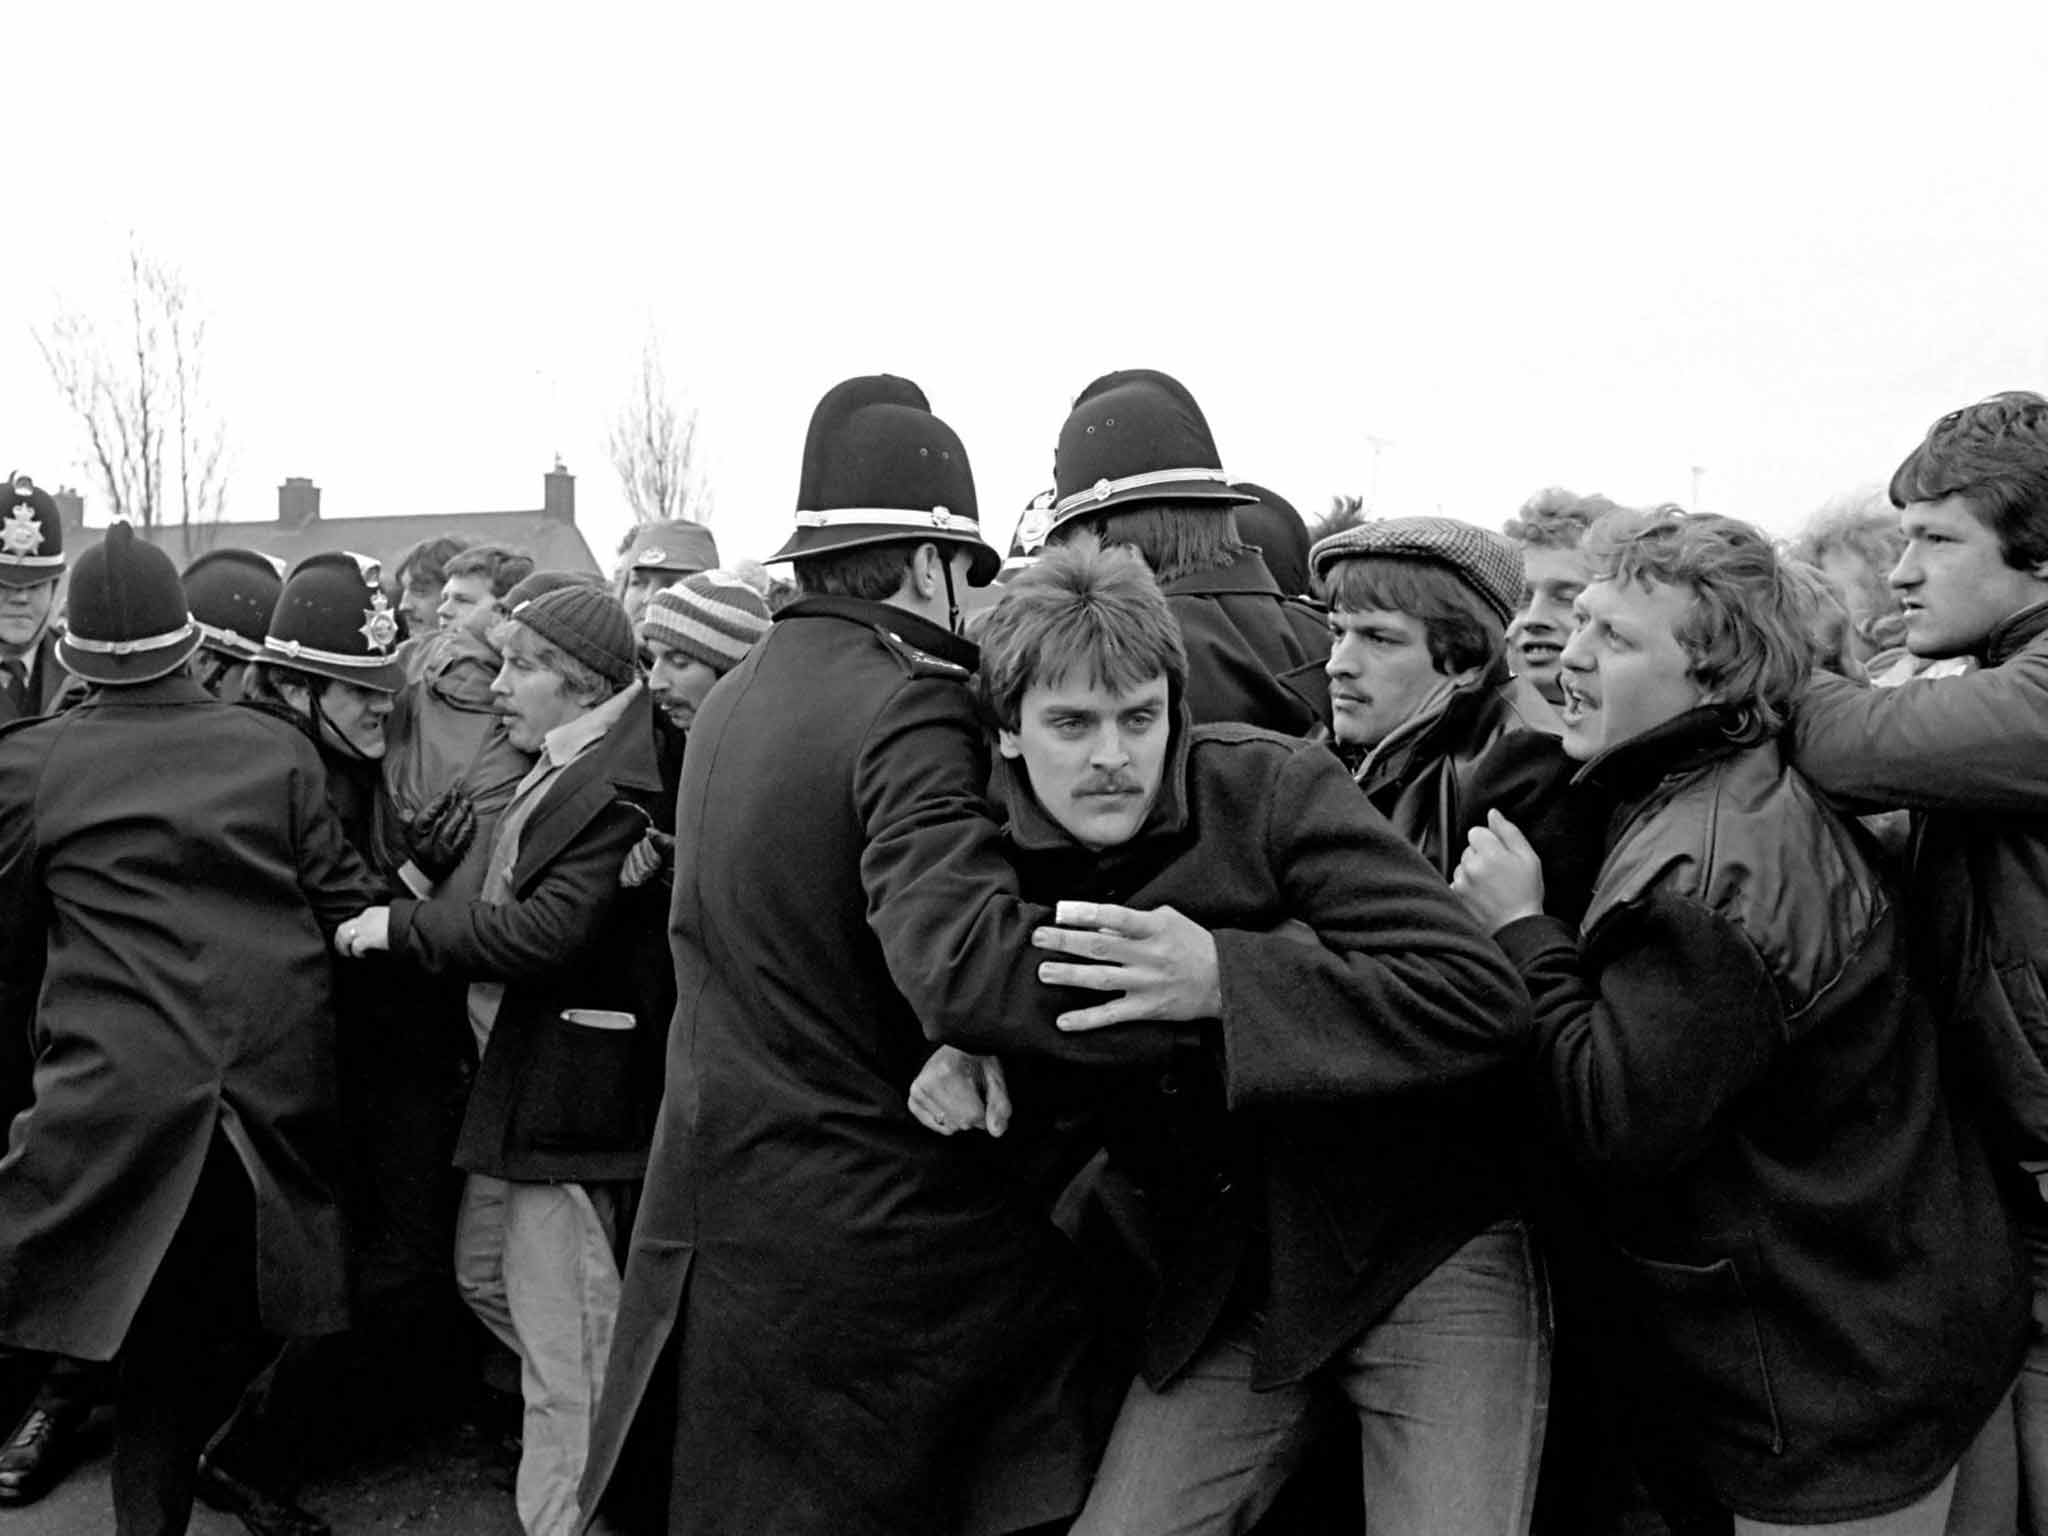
588	624
1486	562
548	581
711	617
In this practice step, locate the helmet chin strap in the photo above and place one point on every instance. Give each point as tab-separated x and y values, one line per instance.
42	625
953	615
324	726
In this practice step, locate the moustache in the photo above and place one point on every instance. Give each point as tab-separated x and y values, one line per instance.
1113	786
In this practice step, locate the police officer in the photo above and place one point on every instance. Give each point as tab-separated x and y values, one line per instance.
31	565
170	1194
232	593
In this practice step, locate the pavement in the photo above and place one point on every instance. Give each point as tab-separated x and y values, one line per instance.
453	1480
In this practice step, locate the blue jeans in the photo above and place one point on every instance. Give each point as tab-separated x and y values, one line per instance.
1449	1390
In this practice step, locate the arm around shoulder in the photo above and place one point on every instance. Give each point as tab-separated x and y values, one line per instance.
1378	980
1975	742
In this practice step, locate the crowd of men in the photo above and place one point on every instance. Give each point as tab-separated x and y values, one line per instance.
1392	1027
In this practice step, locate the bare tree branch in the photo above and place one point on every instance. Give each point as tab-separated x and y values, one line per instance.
152	440
653	447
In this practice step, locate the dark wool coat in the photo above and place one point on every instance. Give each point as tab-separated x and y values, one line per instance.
1492	747
163	934
1969	756
555	1100
1255	656
874	1329
47	680
1313	1153
1832	1297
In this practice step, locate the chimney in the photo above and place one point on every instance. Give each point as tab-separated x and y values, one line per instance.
70	507
559	495
298	502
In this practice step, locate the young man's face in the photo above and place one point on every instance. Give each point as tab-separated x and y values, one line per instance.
23	613
1953	583
1094	757
419	596
533	700
677	682
1552	580
467	602
643	584
1624	671
1380	672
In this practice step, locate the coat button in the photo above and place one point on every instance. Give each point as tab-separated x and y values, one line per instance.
1169	1084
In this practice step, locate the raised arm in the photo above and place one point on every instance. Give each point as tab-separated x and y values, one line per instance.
1975	743
1379	982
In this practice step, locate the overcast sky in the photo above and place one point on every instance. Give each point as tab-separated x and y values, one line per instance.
1522	245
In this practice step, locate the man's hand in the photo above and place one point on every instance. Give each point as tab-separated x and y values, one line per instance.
960	1092
369	929
648	858
440	834
1163	964
1500	877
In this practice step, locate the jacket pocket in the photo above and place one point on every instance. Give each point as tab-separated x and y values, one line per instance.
1703	1314
579	1085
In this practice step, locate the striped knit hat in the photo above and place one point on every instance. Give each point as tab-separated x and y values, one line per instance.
711	617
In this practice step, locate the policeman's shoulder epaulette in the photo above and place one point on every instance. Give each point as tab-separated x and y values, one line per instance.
917	663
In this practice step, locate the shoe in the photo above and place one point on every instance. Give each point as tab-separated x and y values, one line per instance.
266	1514
37	1453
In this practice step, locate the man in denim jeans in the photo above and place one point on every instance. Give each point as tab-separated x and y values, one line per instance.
1329	1231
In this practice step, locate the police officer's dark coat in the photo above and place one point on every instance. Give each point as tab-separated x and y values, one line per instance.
164	939
46	682
1255	655
864	1317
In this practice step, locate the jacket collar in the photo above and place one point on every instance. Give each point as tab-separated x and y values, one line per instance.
178	688
1450	717
622	759
907	627
2015	634
1031	828
1685	742
1246	574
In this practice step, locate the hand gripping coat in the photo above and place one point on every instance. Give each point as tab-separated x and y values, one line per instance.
871	1328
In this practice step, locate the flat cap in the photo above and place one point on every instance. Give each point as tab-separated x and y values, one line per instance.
1487	563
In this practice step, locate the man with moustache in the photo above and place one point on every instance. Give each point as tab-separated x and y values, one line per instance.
1828	1300
1965	755
835	1322
691	635
1319	1247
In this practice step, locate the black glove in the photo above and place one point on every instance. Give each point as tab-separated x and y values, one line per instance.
440	832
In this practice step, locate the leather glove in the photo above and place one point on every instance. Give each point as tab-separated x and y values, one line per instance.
440	832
